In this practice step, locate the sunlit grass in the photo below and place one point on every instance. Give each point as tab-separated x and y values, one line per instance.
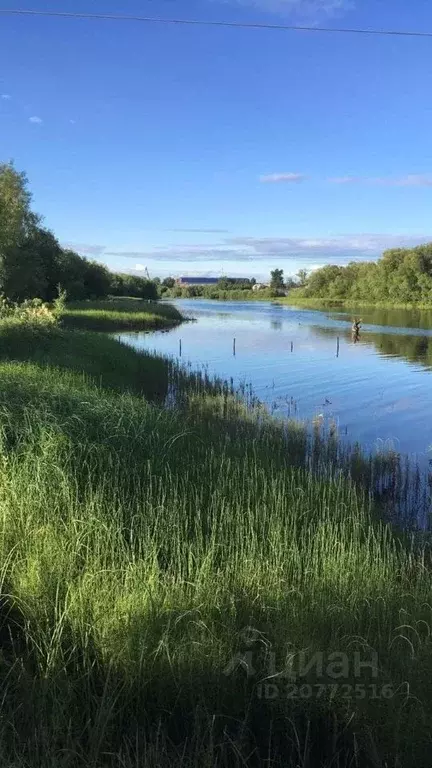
120	314
138	542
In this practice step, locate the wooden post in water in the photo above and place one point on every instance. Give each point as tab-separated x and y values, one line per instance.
292	346
180	348
234	347
337	347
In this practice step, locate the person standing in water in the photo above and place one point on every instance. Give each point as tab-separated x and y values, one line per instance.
355	330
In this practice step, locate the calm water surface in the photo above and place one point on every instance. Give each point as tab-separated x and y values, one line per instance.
378	390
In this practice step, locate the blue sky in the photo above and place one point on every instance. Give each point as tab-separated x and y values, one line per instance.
193	150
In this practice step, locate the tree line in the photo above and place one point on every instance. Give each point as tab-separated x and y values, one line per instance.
400	276
33	264
234	287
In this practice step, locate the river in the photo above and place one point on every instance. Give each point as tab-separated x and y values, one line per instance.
376	390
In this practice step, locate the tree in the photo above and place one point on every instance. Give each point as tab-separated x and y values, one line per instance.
117	285
32	268
72	275
302	275
168	282
16	218
290	283
16	223
97	280
192	291
276	281
133	285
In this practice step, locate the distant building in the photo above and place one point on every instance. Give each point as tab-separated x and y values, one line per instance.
198	281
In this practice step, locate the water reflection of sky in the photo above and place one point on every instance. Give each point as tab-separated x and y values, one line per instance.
377	390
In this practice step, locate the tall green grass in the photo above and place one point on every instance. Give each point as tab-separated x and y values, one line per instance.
146	550
120	314
98	357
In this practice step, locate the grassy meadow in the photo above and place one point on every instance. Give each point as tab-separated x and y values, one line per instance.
166	566
120	314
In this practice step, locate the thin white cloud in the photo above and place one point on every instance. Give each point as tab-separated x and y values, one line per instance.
128	254
72	122
345	180
36	120
87	249
338	249
6	96
410	180
275	178
199	231
310	10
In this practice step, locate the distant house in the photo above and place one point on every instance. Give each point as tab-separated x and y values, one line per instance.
184	281
259	286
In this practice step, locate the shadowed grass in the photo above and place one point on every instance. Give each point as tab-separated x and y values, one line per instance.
137	545
99	357
120	314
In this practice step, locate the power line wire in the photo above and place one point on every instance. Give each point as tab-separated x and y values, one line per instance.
204	23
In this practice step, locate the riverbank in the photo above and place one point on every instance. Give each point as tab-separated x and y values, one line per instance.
121	314
195	585
225	295
299	301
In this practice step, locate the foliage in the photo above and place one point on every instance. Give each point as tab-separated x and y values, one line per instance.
401	276
16	218
277	286
29	312
59	303
225	288
302	277
133	285
168	282
235	284
212	292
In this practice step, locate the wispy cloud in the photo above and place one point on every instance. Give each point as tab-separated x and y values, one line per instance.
36	120
338	249
129	254
310	10
87	249
199	231
275	178
186	253
6	96
410	180
345	180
